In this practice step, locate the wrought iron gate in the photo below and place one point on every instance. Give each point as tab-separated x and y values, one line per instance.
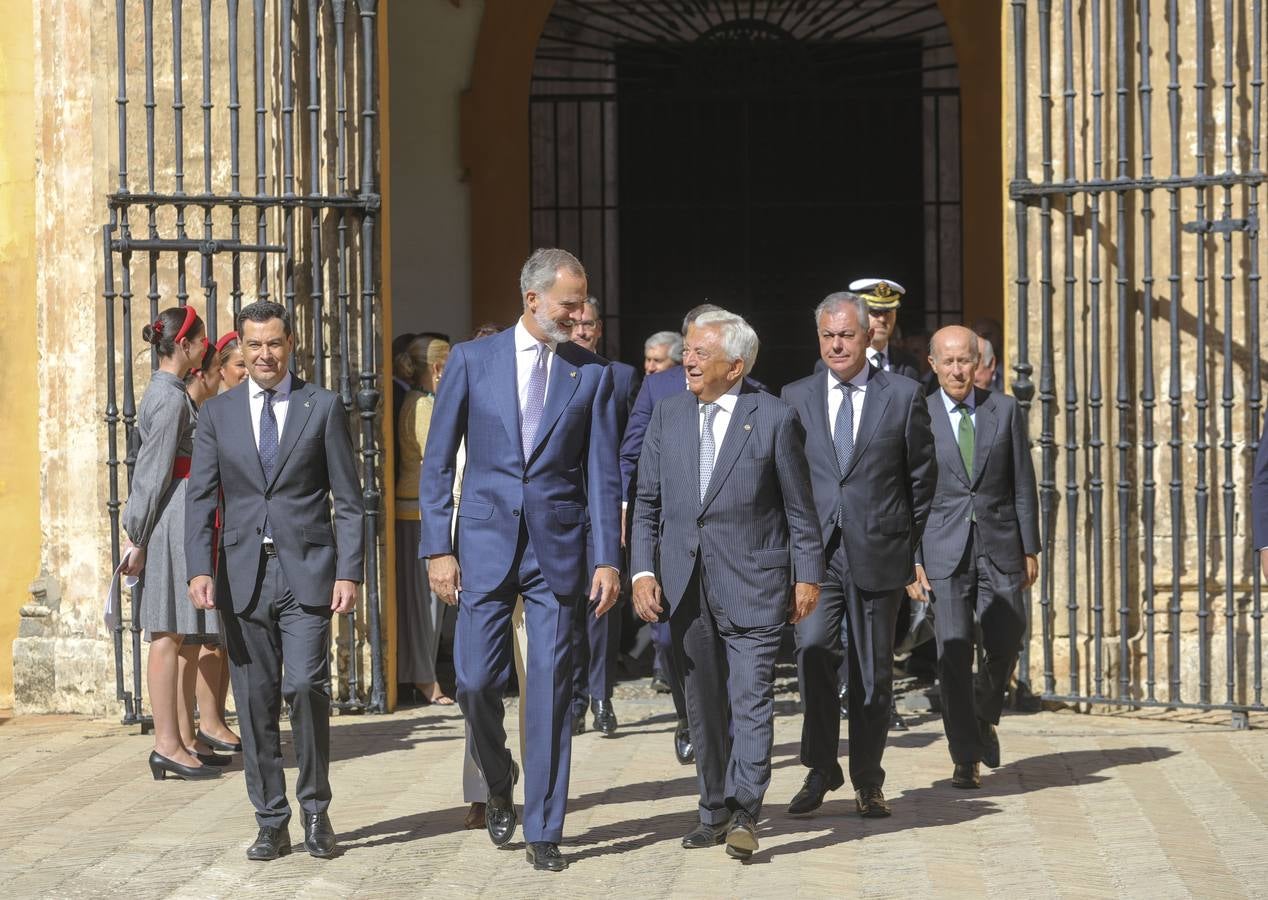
1144	238
605	74
294	221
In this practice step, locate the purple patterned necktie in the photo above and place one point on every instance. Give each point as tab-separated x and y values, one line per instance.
534	402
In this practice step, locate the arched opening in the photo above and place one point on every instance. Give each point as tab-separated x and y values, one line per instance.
754	155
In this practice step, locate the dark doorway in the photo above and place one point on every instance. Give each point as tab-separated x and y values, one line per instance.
755	162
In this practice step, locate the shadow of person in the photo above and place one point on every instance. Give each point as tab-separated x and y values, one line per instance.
417	826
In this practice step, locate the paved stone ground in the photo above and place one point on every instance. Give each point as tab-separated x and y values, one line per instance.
1084	806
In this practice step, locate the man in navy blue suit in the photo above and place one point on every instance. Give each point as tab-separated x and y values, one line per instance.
539	421
596	637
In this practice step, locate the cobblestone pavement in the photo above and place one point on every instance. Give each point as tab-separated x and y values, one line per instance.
1084	806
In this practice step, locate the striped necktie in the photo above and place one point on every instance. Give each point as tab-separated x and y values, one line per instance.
534	402
708	448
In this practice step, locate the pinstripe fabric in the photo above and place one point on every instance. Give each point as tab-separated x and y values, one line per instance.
726	565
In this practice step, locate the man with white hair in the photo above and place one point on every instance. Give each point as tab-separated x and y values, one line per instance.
726	545
661	351
984	374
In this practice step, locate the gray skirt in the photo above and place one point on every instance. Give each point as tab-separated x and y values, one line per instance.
420	614
165	603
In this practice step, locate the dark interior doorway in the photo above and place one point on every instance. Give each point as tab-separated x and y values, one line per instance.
758	162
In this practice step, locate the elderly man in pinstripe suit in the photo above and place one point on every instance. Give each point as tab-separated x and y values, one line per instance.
726	536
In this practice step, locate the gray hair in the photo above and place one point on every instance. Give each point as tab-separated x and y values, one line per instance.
985	352
670	339
696	312
542	268
839	300
739	340
593	302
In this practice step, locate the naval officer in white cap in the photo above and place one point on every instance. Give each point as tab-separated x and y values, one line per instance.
883	296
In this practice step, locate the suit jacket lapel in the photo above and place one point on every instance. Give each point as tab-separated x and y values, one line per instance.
298	409
944	438
500	374
737	433
985	426
875	400
817	416
241	414
561	385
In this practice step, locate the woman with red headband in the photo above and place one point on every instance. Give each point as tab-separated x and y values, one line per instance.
154	519
233	368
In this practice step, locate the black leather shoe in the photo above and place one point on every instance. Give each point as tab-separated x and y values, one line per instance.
810	797
871	803
319	837
741	837
990	743
967	776
270	843
604	717
545	856
499	813
683	748
896	722
660	685
161	767
705	836
211	759
579	722
844	697
222	746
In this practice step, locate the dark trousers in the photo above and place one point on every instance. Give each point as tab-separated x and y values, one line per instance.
663	641
483	661
870	618
279	650
976	587
594	656
726	668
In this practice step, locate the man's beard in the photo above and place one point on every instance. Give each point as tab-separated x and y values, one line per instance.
551	328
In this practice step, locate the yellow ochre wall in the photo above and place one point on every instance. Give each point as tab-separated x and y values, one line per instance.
19	393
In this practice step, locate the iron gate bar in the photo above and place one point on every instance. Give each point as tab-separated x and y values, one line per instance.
1254	399
206	247
1200	395
1174	388
1023	188
1071	335
1147	392
354	202
261	155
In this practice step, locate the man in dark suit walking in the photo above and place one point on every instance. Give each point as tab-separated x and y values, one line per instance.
596	638
541	477
872	466
278	450
726	543
980	549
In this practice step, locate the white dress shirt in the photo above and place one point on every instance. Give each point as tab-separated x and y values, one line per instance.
525	356
281	402
836	395
721	421
872	353
954	415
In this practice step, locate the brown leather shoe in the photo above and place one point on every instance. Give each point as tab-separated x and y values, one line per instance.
475	817
967	776
871	803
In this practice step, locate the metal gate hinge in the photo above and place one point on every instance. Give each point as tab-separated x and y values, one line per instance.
1221	226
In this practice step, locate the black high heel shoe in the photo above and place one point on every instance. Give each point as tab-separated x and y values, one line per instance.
161	767
211	759
216	744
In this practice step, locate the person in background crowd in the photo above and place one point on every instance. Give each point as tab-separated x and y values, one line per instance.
233	368
204	672
993	332
661	351
420	613
154	520
402	384
596	638
873	470
980	550
885	351
984	374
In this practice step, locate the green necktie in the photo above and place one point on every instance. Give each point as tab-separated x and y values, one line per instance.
965	438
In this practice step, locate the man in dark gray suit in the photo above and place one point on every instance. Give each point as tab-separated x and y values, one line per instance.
278	450
980	549
725	535
873	471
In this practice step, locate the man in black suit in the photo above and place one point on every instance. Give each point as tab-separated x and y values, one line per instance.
278	451
980	549
883	297
872	466
596	639
726	538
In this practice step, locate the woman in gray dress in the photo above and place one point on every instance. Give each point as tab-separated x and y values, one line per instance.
154	519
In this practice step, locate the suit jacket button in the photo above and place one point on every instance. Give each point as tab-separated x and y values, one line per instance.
526	479
700	523
691	553
515	512
257	531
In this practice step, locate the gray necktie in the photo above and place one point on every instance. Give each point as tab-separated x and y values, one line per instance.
707	448
268	444
880	361
843	436
534	402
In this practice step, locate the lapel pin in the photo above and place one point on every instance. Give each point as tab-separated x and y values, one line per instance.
307	404
748	427
572	374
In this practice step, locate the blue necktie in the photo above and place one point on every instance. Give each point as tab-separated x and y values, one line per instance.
268	444
708	448
534	402
843	436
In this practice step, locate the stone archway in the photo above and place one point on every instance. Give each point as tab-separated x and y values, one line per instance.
495	147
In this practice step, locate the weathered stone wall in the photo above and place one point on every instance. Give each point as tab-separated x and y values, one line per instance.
1128	342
